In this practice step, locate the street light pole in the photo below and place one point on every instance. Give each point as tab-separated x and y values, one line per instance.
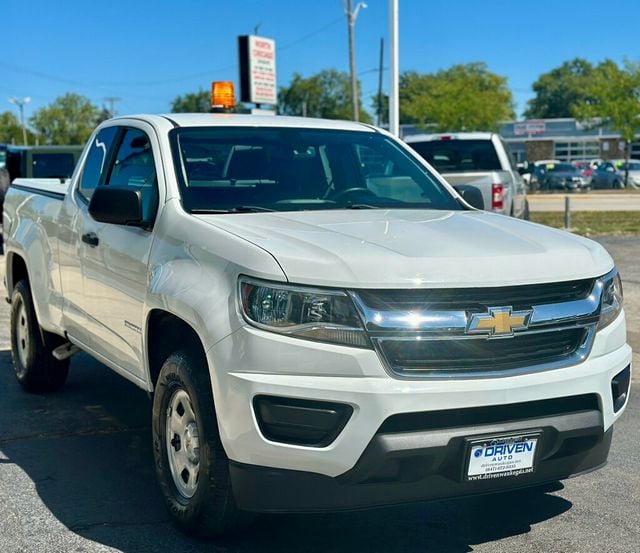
20	104
394	111
351	20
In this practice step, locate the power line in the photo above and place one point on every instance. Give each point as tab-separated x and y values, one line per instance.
46	76
310	35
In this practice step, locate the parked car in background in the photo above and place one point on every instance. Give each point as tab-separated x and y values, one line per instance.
563	176
584	166
42	162
480	159
536	171
610	174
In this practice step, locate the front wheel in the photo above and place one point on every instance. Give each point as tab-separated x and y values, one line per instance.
37	370
191	464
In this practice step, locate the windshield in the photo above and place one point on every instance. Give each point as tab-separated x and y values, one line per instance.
459	156
238	169
633	166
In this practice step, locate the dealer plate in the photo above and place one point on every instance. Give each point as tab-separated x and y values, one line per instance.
497	457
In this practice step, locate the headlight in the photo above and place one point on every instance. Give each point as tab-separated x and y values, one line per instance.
611	300
311	313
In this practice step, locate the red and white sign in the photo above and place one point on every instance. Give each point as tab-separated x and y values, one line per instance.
529	127
262	70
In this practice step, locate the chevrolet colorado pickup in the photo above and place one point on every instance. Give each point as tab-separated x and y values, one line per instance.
316	334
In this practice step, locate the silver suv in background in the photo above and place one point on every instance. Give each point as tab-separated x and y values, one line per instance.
480	159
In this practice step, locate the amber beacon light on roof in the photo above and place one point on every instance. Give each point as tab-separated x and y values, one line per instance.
222	96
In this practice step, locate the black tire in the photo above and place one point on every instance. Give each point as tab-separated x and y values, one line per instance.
616	185
526	214
37	370
207	508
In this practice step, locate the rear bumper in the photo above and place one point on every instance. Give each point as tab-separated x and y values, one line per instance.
416	466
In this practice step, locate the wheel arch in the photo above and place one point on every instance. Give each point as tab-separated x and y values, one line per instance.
16	271
166	332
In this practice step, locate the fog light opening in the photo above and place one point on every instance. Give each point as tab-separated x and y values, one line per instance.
300	421
620	388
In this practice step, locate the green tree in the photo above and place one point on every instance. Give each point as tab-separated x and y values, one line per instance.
466	97
326	94
560	90
614	101
192	102
11	130
69	119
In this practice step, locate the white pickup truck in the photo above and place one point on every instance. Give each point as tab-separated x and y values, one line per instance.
317	334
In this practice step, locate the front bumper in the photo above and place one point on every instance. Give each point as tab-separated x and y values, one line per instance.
419	466
366	466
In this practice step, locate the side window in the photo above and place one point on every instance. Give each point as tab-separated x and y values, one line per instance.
96	162
134	167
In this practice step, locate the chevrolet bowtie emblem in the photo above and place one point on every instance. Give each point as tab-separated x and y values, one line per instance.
500	321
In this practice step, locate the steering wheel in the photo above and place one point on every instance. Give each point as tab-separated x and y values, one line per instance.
353	190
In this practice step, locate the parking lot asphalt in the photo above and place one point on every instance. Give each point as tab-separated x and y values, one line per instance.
76	475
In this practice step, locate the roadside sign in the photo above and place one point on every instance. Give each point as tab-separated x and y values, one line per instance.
257	57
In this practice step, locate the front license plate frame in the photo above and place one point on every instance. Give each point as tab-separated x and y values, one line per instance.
501	456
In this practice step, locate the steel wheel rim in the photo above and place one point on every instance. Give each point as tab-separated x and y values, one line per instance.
21	328
183	443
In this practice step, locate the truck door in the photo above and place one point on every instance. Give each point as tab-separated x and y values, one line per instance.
114	258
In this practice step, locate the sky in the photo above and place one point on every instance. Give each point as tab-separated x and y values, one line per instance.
146	52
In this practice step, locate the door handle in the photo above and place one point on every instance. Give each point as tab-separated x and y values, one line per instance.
91	238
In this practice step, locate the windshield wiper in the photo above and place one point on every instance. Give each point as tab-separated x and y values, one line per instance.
237	209
362	206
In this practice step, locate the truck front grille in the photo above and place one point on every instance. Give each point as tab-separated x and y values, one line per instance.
470	298
433	333
448	357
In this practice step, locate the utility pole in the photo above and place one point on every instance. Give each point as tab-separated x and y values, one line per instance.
20	104
394	111
111	105
381	68
352	15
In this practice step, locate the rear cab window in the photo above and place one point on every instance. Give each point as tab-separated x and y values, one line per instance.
52	165
459	156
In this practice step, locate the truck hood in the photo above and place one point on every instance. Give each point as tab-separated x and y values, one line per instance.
415	248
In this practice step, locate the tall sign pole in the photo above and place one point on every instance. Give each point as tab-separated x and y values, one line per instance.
352	15
394	109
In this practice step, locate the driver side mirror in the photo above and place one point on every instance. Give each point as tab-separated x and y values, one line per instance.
118	206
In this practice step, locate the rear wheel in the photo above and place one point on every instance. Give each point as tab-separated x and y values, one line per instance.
525	213
191	464
37	370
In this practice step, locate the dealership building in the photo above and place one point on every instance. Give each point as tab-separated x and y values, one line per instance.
564	139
